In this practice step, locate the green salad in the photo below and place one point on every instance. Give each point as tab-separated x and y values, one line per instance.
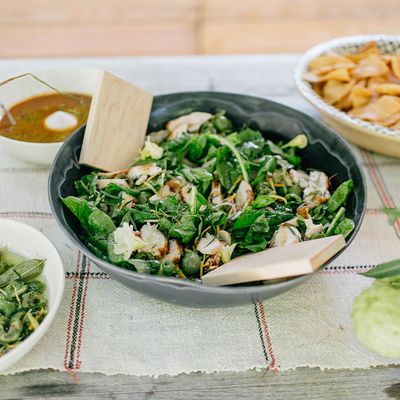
203	192
23	303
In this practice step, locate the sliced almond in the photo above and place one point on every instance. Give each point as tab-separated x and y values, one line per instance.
335	90
359	96
369	67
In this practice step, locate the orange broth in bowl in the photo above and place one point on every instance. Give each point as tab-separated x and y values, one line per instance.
30	116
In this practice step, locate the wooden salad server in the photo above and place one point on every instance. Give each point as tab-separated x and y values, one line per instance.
117	123
276	262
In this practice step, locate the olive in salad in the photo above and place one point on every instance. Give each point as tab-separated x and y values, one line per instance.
202	192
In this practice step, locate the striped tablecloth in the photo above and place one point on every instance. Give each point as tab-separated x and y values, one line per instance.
104	327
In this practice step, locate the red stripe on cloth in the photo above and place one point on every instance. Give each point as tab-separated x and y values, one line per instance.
80	331
272	364
71	311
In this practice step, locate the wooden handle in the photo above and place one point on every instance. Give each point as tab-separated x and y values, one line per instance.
277	262
117	124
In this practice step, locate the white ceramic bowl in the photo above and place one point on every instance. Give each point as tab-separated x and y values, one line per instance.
78	80
31	243
365	134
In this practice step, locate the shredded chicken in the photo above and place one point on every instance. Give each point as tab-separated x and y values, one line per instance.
244	195
224	237
286	234
113	173
187	123
216	194
302	211
177	187
209	244
212	262
312	229
155	241
103	183
175	252
317	191
140	173
300	178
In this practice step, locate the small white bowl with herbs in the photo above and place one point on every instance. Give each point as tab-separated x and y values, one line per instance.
31	288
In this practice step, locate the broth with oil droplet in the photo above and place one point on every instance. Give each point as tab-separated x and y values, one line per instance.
30	116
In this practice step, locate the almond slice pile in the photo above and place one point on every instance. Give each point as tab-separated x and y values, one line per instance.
365	84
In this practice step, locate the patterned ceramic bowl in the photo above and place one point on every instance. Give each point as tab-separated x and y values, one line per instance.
365	134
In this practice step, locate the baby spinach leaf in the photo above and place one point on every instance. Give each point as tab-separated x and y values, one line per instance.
228	170
100	225
86	186
255	247
339	196
221	123
249	135
199	177
258	234
246	219
141	214
344	227
184	229
262	201
80	208
335	221
217	217
196	147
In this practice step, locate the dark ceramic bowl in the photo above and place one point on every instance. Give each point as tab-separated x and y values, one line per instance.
326	151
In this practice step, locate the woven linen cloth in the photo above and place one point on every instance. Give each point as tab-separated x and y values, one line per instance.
104	327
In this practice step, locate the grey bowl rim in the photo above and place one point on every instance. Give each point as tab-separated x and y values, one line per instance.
188	285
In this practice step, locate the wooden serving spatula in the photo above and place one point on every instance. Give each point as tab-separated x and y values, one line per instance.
277	262
116	125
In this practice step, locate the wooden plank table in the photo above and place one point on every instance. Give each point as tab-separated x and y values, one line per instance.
265	76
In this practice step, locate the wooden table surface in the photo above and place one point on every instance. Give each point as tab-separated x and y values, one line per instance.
265	76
